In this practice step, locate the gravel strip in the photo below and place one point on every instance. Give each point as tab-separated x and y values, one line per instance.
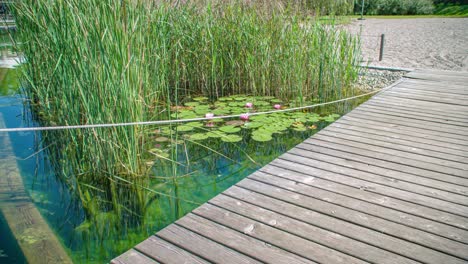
370	79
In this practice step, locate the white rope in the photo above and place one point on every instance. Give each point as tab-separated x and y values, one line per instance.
166	122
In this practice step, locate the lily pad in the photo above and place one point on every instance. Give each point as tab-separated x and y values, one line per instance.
214	134
231	138
184	115
221	111
195	124
230	129
198	136
254	124
184	128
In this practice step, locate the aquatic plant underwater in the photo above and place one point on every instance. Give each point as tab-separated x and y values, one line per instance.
113	61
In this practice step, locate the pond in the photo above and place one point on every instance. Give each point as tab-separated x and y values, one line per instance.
192	163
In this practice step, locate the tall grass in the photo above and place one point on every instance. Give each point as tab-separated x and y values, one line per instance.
112	61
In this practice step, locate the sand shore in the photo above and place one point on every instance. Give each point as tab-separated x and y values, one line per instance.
431	43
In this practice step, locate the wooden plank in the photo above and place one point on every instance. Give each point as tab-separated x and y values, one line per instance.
284	222
380	175
462	120
131	257
427	98
238	241
432	88
441	165
325	184
441	72
415	151
460	124
165	252
436	77
33	234
447	85
413	104
405	248
368	152
429	126
282	202
365	129
406	130
457	155
375	184
426	111
270	235
456	94
202	246
421	101
393	170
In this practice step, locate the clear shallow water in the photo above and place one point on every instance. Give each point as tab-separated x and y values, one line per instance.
172	191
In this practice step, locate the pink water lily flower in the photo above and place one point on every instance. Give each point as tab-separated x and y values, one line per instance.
244	117
249	105
209	115
277	106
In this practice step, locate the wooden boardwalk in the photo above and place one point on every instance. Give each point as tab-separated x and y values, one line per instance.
387	183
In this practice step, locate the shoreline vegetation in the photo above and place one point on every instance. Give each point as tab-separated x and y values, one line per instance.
113	61
105	62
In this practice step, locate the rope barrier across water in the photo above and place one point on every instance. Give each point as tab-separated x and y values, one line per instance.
166	122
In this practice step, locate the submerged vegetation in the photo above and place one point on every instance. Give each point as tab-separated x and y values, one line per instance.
113	61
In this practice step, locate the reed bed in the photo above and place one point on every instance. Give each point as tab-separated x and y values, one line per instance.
114	61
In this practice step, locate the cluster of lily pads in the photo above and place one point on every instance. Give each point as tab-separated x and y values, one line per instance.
260	127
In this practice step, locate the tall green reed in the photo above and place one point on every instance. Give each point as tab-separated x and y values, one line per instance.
113	61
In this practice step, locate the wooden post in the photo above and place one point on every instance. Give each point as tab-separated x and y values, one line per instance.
382	44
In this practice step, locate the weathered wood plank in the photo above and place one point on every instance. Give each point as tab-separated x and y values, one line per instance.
428	126
440	72
404	248
415	122
410	104
400	135
270	235
454	94
452	120
401	212
460	124
454	116
308	231
427	98
238	241
30	229
437	164
329	221
438	76
376	184
325	142
132	256
203	247
165	252
415	152
432	88
395	171
434	136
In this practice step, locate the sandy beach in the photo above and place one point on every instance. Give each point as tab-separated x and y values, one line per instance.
431	43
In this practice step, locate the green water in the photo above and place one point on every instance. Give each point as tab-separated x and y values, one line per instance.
173	190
